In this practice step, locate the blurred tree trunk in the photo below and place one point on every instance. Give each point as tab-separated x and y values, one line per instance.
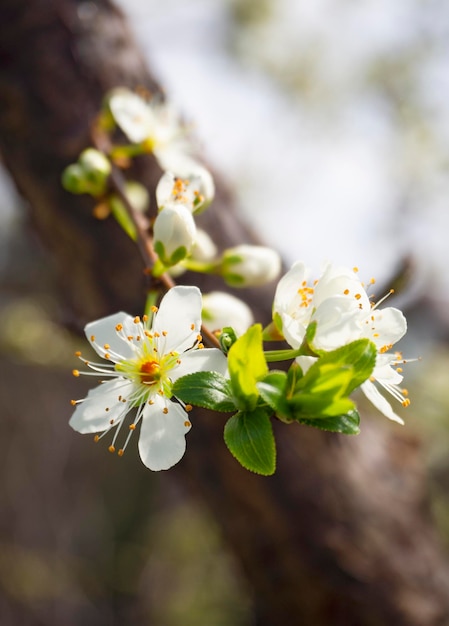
341	534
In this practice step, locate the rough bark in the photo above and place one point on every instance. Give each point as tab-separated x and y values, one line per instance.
342	533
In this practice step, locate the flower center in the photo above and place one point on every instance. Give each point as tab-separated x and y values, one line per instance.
149	372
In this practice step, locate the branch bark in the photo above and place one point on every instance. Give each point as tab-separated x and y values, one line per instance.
342	533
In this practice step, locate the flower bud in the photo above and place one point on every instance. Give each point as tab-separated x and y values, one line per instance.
250	266
73	179
174	234
221	309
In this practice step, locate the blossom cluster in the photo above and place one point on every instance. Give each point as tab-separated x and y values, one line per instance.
154	369
147	359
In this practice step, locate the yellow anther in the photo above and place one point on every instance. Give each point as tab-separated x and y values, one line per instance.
165	333
137	320
165	410
406	403
97	438
399	370
192	326
188	407
157	335
346	292
404	392
376	335
145	318
107	356
355	269
199	338
201	346
150	401
119	327
121	452
107	346
92	337
154	309
178	361
358	296
187	424
111	449
132	427
75	372
372	281
130	337
73	402
111	422
78	353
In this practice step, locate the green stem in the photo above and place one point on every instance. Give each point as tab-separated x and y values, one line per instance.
281	355
200	266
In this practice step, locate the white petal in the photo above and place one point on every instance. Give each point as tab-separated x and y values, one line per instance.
376	398
294	328
162	436
206	360
104	332
288	286
388	325
338	323
305	362
91	416
132	114
339	281
180	309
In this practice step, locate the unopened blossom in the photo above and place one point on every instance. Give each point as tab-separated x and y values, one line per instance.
195	191
222	309
141	362
343	312
250	266
174	234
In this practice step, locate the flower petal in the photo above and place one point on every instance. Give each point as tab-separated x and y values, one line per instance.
162	435
387	326
179	318
338	323
104	333
102	405
287	288
206	360
381	404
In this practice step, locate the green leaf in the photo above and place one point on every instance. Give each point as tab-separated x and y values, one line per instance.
249	437
247	365
273	391
207	389
345	424
360	355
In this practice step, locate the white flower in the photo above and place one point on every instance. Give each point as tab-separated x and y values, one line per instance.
142	362
153	122
343	312
221	309
174	234
250	266
194	191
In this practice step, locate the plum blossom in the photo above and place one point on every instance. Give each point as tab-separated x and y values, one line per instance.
343	312
142	361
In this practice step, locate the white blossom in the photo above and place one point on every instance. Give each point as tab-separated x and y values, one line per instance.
343	312
195	191
142	360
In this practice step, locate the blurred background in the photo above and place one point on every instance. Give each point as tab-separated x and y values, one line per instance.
329	120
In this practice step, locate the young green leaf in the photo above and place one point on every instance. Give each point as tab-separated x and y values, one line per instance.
249	437
247	365
345	424
207	389
273	389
